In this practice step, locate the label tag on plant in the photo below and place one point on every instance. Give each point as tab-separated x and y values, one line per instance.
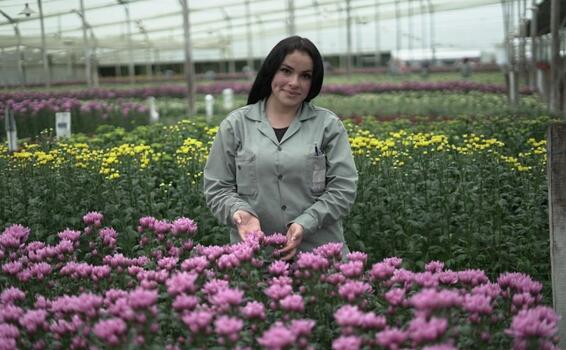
153	113
209	107
11	133
228	98
63	124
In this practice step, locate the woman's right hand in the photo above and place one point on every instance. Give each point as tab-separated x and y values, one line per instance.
246	223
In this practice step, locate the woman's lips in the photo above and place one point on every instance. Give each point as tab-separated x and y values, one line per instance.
292	93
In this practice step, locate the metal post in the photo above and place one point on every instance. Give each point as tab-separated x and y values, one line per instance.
555	71
431	19
423	27
88	69
512	83
377	52
398	29
523	49
319	16
410	20
43	47
229	53
534	43
148	70
348	38
249	36
2	74
93	57
131	68
156	60
21	57
291	20
556	154
189	65
259	21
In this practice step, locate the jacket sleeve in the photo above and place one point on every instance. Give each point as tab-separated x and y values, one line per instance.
341	182
220	177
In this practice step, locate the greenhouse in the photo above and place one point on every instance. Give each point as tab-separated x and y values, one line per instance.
298	174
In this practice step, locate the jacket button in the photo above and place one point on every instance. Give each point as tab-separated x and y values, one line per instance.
283	207
280	177
239	167
279	148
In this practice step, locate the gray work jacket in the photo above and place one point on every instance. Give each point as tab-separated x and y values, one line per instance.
308	178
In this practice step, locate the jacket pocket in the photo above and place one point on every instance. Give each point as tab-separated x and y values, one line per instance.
317	173
245	174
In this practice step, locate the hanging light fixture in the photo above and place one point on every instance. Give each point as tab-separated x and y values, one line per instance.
27	11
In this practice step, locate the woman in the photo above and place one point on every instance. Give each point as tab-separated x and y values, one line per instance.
281	164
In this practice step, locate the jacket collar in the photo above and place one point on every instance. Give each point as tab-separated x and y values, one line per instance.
257	111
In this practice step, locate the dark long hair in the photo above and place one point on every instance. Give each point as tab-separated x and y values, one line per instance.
262	83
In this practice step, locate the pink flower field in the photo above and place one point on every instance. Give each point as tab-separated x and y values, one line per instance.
79	290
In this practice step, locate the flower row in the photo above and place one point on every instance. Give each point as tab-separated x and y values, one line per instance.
180	91
81	292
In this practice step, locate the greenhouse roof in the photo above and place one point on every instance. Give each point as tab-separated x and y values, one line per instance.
220	28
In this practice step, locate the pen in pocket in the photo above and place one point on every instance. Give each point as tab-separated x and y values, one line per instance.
317	151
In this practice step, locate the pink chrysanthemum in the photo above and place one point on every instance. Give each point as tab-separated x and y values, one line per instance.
254	309
184	225
93	218
111	331
351	342
277	337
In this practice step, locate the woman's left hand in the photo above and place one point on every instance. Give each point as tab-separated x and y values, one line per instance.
294	238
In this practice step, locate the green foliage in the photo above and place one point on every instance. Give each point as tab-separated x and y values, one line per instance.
468	210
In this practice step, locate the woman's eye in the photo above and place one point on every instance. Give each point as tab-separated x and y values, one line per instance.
307	76
285	70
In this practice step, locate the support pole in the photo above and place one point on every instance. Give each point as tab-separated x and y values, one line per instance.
398	29
423	26
523	73
555	71
410	25
348	38
131	68
511	73
249	36
229	53
93	58
291	29
189	65
88	69
44	47
534	44
431	20
377	37
556	148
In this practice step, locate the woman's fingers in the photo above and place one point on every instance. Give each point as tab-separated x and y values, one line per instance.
290	255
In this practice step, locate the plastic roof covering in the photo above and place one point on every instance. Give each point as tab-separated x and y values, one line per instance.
215	24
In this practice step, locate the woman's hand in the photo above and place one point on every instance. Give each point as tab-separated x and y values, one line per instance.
294	238
246	223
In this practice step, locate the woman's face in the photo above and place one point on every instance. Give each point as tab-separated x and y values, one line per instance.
292	81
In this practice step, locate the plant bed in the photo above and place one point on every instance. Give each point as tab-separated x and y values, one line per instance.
82	291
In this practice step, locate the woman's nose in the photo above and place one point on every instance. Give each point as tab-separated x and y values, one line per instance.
294	79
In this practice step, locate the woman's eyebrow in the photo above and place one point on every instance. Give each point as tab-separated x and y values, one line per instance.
290	67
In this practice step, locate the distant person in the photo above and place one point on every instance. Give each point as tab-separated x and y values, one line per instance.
393	66
210	75
248	71
465	68
327	66
425	68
